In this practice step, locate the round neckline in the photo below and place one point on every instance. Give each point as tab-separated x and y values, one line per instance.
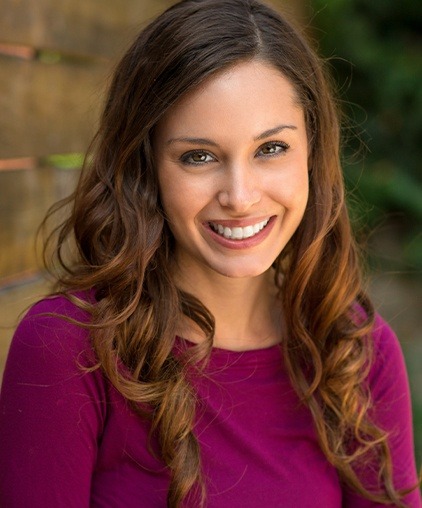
264	355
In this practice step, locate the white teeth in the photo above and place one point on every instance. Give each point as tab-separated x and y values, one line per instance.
238	233
248	232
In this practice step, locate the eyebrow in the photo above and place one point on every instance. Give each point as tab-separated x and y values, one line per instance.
209	142
275	130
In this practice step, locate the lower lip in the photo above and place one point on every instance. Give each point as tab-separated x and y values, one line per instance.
246	243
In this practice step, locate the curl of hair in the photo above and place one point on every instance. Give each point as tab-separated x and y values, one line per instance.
123	246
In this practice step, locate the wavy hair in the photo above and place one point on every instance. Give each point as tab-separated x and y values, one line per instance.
123	246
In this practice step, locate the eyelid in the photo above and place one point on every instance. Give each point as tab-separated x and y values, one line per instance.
185	156
285	146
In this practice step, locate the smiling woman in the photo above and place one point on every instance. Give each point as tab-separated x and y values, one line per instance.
210	342
237	146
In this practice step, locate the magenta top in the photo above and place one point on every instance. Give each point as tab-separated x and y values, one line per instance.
69	439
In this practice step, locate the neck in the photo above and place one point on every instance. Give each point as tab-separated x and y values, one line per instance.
247	311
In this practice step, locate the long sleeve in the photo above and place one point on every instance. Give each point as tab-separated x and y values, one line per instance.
51	412
389	387
68	440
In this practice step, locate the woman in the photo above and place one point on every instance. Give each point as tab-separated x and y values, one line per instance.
211	343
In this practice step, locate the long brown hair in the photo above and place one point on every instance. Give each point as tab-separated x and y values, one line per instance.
123	245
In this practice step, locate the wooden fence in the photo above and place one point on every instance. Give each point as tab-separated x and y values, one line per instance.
55	59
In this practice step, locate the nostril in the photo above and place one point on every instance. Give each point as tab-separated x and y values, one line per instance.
239	198
223	198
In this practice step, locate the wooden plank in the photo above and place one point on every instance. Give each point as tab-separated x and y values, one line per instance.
97	27
25	197
48	108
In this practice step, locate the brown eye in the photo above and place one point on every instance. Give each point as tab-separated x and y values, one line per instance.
197	157
273	148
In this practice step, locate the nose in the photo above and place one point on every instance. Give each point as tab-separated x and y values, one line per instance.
240	188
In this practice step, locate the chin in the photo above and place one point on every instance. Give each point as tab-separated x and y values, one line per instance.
242	272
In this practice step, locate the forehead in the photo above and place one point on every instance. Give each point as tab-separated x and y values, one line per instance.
248	92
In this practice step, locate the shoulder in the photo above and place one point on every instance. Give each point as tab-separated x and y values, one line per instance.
60	306
52	333
388	379
383	336
383	347
386	348
55	313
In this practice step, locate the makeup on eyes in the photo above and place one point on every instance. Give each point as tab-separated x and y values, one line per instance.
205	157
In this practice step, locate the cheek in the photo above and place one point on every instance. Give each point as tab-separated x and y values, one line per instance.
183	196
173	207
292	189
168	190
177	203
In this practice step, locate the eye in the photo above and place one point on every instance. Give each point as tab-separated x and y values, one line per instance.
197	157
273	148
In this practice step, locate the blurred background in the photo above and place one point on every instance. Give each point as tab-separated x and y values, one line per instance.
55	62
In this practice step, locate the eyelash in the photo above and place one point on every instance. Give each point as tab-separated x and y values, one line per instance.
186	158
275	144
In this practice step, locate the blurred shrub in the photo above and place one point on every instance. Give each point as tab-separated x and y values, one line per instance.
375	52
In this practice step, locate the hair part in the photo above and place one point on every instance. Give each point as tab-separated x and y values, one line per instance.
123	246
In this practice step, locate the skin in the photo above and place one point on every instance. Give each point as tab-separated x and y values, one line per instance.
234	152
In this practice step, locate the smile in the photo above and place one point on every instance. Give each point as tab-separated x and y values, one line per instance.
238	233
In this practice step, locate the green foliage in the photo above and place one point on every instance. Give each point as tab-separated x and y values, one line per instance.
65	161
375	51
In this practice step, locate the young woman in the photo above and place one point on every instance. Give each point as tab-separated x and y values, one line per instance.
210	343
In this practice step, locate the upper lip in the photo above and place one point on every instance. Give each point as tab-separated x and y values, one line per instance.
240	223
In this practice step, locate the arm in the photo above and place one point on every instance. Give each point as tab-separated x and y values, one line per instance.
392	412
51	412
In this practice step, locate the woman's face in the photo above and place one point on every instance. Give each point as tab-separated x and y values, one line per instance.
232	169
